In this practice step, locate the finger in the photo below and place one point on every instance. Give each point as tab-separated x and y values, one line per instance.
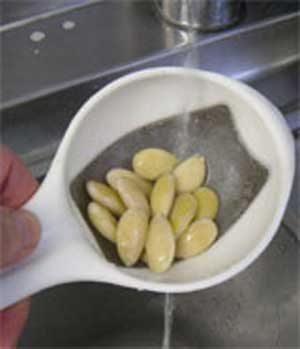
12	321
16	183
19	235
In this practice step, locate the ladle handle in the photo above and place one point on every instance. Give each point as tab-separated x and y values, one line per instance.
50	263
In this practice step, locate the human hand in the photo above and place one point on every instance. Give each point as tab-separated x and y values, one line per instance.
19	235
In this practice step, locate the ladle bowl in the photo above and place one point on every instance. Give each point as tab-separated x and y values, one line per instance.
247	144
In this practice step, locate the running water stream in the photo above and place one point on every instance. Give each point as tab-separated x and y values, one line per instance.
169	308
190	61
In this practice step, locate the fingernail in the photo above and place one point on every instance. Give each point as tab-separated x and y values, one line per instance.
29	228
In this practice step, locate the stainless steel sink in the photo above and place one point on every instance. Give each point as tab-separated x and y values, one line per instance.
258	308
42	92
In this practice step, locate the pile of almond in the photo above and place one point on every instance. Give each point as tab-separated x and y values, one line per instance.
157	212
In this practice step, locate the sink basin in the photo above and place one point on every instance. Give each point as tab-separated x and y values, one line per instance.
258	308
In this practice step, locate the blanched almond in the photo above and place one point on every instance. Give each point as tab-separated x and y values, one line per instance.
160	244
131	195
162	195
183	212
151	163
190	174
131	235
208	203
115	174
104	222
197	238
105	196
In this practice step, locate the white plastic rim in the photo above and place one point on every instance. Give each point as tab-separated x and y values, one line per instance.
276	137
68	252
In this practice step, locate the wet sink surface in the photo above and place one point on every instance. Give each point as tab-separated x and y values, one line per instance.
258	308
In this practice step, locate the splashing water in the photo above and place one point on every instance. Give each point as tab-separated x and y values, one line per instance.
169	308
182	136
190	61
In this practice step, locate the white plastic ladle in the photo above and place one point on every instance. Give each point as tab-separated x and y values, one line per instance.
68	252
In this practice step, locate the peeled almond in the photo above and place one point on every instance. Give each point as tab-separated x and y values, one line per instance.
115	174
162	195
208	203
151	163
131	195
104	222
105	196
183	212
197	238
190	174
131	235
160	244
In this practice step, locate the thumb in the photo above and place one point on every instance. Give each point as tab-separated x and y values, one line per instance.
19	235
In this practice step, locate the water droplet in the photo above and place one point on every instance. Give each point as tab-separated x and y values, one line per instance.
37	36
68	25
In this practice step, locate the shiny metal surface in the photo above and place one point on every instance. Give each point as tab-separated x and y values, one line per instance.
94	49
204	15
13	11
